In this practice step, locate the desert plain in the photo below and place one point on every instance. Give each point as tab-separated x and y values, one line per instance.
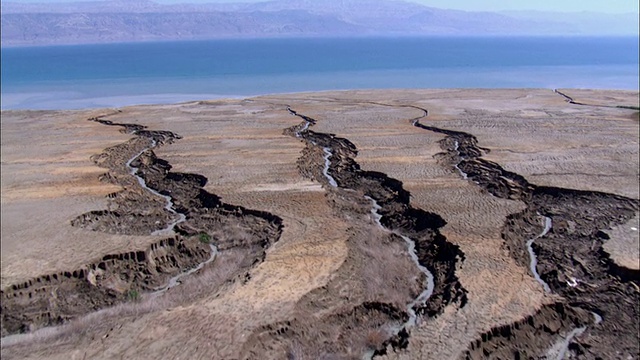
391	224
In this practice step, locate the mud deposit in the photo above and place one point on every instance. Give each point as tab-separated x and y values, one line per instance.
154	200
351	320
570	259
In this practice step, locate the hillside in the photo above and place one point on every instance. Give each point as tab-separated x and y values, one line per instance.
130	21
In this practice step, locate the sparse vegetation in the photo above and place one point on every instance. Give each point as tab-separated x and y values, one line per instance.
228	265
376	338
133	295
204	238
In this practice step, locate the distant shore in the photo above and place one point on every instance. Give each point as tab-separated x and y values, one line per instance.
56	102
78	77
53	101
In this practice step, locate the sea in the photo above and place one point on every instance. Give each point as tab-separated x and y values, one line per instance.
114	75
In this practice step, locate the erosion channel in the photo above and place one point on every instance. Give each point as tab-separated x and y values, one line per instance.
400	269
193	226
559	236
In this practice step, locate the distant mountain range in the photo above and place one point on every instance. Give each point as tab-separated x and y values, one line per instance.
143	20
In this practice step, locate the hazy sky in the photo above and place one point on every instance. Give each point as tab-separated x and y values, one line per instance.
611	6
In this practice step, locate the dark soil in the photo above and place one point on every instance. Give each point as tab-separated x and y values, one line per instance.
540	329
55	298
571	250
433	250
331	324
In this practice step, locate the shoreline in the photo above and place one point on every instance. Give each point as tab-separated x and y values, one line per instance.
42	99
94	103
248	38
127	74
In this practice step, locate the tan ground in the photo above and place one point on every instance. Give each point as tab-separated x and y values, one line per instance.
48	179
624	239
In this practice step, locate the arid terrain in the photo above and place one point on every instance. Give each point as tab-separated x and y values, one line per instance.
390	224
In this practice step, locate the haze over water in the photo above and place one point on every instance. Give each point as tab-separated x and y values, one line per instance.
69	77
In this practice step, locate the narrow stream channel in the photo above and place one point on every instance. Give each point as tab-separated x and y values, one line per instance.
560	348
169	206
327	163
504	184
426	294
456	149
175	281
610	290
534	260
304	128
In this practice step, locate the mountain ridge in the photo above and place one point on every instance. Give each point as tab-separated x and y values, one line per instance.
145	20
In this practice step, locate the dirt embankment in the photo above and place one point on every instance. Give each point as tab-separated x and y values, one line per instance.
365	305
55	298
549	326
152	199
570	257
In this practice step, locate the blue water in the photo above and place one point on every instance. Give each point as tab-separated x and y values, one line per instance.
81	76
